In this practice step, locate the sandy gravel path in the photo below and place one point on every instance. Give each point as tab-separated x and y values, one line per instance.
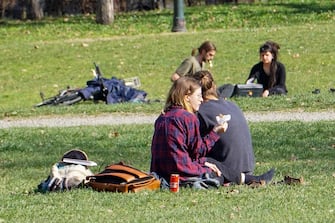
114	119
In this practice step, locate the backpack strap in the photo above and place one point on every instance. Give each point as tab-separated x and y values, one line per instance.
125	169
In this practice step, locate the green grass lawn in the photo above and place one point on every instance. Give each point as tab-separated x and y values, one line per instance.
292	148
51	54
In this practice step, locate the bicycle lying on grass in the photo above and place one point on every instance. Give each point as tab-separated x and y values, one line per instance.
64	97
110	91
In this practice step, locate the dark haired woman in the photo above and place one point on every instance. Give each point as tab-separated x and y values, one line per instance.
196	62
269	71
177	145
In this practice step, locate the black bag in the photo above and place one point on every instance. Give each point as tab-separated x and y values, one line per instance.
248	90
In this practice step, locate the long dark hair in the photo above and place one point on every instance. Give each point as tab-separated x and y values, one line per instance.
273	48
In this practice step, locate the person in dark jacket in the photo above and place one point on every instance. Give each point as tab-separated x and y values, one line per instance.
269	71
234	148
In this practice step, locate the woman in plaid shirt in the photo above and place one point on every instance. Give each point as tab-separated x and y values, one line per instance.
177	146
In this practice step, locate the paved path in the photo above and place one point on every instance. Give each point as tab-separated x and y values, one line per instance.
115	119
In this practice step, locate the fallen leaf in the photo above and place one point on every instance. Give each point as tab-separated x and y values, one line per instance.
233	191
293	181
296	55
293	158
113	134
255	184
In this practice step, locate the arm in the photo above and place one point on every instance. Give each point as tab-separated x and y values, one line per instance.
250	80
174	77
253	75
188	146
184	68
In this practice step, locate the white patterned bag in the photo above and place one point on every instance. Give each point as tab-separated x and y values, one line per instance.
70	172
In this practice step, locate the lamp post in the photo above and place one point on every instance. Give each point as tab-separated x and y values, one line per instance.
178	16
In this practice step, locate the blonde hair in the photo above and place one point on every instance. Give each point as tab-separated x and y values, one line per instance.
180	88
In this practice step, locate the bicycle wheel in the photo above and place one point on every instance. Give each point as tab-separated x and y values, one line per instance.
49	101
69	98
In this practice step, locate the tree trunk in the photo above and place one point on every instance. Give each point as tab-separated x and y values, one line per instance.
37	8
105	12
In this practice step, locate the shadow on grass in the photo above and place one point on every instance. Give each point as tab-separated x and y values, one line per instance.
257	10
245	10
309	8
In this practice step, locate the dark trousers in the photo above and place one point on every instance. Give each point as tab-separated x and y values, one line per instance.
228	174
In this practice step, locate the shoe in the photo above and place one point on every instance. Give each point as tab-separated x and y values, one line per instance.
260	180
316	91
267	177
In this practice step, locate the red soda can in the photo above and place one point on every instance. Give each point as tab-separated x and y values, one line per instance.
174	183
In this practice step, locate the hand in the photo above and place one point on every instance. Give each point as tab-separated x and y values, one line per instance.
221	128
265	93
250	81
174	77
214	168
